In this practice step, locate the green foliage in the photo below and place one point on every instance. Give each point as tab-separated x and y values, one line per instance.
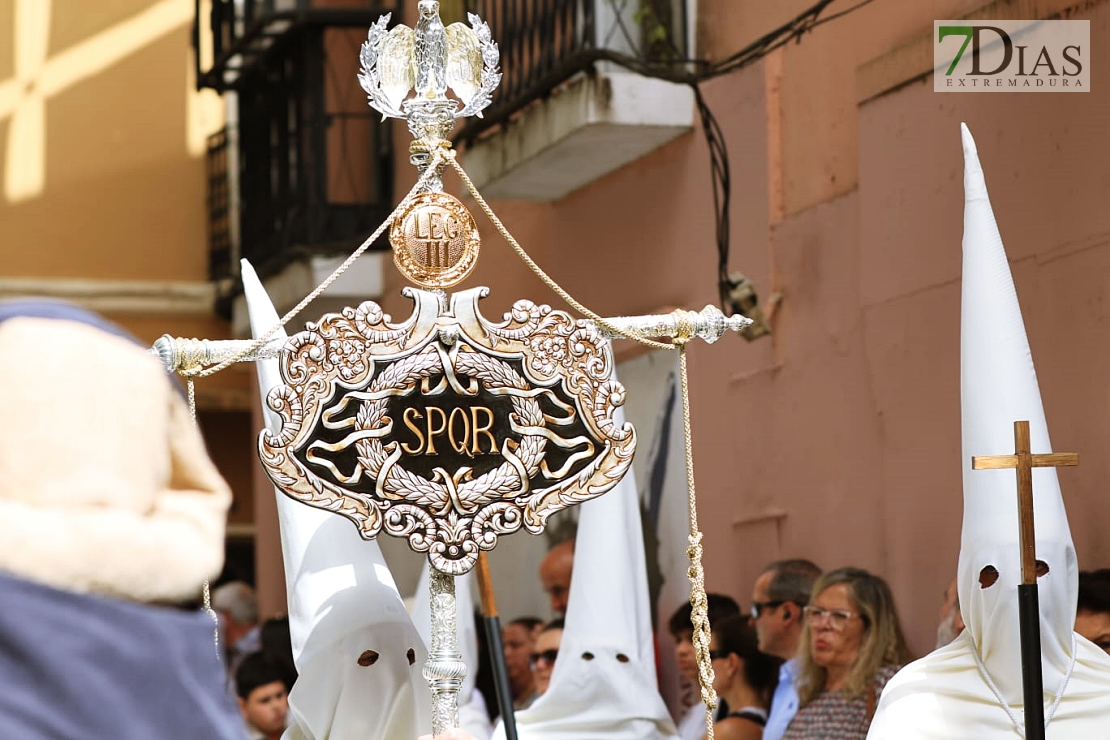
658	42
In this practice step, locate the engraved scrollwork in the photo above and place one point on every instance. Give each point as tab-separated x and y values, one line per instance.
289	475
445	492
407	520
524	318
503	517
290	408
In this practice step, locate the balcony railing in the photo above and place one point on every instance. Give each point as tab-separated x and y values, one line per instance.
238	33
544	43
305	166
220	257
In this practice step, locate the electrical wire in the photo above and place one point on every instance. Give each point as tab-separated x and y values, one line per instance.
720	174
722	190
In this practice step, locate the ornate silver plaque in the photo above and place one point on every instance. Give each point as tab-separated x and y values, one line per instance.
447	429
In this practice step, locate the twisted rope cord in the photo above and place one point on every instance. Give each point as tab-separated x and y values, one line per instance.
195	370
537	270
699	615
206	590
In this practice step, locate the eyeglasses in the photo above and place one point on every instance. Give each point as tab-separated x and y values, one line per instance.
547	656
759	606
717	654
837	618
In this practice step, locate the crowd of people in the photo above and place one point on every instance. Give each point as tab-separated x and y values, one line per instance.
807	660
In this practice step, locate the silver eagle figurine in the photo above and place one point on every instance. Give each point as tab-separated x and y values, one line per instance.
429	59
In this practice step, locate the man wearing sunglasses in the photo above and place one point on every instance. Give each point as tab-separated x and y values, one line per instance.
778	597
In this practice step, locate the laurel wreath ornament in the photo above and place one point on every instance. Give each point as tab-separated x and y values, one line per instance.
456	496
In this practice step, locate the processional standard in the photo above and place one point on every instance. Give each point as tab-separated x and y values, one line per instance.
447	429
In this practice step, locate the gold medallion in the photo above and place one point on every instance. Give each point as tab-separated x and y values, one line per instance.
435	241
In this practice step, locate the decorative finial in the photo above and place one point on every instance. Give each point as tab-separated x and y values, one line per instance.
429	59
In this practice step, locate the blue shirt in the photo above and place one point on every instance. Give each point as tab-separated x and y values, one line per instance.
76	666
784	704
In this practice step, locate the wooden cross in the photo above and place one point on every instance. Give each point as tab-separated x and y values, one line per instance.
1025	461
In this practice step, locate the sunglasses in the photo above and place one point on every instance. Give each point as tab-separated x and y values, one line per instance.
759	606
547	657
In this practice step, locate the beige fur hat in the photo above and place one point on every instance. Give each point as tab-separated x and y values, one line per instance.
105	484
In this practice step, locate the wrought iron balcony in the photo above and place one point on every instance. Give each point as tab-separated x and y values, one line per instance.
304	168
239	33
220	258
545	43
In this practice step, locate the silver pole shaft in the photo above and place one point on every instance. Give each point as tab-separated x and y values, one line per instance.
445	669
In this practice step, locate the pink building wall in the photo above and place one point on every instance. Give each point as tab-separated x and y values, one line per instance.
837	437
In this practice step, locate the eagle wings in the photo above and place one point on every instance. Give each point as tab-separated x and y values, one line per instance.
398	70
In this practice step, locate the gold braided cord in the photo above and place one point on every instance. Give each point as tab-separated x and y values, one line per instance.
192	399
699	615
196	372
547	280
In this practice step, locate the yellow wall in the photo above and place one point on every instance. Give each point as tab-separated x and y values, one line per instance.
102	181
101	141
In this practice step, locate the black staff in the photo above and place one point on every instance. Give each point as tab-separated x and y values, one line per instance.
496	649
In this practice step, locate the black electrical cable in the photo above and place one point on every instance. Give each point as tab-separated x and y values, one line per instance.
722	191
718	150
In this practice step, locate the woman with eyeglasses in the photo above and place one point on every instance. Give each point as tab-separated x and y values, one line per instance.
744	677
852	644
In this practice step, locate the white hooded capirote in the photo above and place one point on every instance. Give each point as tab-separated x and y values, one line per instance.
973	687
357	652
473	715
603	684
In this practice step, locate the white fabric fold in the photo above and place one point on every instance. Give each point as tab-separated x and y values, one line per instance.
358	655
106	486
603	684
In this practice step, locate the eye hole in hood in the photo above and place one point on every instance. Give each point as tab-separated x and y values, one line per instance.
988	576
